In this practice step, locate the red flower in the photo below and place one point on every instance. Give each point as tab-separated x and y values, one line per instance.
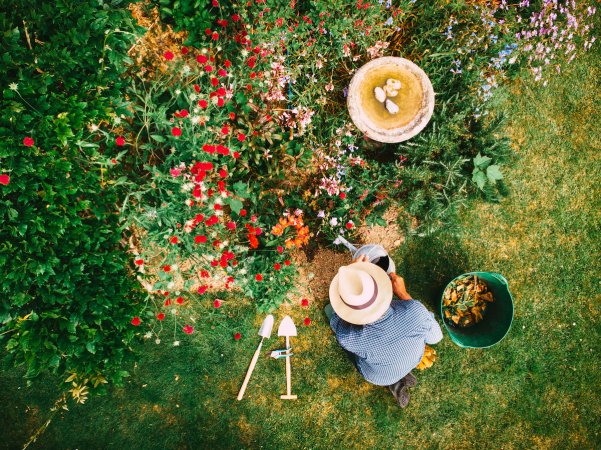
214	81
120	141
231	225
28	142
185	50
179	300
253	219
175	131
173	239
200	239
222	173
222	72
203	289
168	56
251	62
237	336
307	321
183	113
167	268
167	302
343	195
161	316
280	249
208	68
277	266
259	277
287	262
220	92
243	212
203	103
220	102
235	17
227	63
215	36
217	303
304	302
241	137
225	130
236	155
201	59
188	329
349	225
136	321
139	262
4	179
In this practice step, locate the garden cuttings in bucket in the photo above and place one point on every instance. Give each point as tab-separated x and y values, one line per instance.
465	301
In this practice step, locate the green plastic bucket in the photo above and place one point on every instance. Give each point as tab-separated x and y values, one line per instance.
496	320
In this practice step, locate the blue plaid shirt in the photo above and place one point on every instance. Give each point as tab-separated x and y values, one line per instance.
389	348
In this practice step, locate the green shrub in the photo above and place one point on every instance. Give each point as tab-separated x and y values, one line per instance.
68	298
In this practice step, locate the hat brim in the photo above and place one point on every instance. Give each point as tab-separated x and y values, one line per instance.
375	310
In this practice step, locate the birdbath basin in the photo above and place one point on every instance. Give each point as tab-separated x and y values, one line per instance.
414	100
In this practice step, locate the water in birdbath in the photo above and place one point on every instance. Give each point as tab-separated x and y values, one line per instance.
409	98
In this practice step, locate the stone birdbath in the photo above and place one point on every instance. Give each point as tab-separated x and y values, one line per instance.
390	99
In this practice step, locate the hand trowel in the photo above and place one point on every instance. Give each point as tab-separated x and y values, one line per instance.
264	332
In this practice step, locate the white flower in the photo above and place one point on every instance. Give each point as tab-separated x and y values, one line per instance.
177	92
333	221
174	267
176	343
190	202
321	214
170	285
173	311
13	87
148	335
157	341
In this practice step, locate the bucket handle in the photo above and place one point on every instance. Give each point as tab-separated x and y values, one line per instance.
500	277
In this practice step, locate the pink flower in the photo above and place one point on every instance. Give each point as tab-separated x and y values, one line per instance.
280	249
120	141
188	329
4	179
175	172
202	289
28	141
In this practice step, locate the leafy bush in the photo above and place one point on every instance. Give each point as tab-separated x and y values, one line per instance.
67	297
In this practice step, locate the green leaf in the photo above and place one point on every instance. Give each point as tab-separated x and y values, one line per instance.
494	173
91	347
482	162
157	137
235	204
479	178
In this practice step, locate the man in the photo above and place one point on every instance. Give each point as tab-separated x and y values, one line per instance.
384	338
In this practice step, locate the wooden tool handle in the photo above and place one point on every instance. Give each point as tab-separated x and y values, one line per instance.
253	362
288	395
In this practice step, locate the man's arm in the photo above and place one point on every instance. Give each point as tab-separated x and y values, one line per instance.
434	335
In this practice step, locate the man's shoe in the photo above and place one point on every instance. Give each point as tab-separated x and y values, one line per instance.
410	380
400	392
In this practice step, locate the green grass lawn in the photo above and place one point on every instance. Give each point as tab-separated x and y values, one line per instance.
538	388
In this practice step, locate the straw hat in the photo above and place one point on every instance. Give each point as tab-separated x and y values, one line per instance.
360	293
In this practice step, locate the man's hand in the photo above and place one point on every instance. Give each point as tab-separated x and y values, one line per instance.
398	286
362	258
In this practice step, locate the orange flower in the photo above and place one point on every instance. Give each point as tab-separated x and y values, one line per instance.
254	242
277	230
